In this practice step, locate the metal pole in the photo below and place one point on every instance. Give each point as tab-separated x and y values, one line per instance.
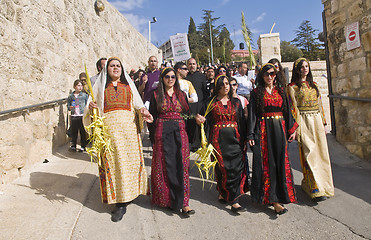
149	31
211	43
329	79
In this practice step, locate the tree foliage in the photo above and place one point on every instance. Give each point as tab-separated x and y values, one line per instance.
200	42
307	42
289	52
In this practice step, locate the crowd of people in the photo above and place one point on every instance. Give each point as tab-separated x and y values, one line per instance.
256	109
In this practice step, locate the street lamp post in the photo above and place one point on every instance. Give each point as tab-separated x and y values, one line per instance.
149	28
211	43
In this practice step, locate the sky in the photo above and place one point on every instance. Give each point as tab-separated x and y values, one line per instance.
173	16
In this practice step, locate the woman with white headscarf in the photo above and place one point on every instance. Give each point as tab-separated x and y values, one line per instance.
122	176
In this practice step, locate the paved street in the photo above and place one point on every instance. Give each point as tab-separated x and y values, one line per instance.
60	199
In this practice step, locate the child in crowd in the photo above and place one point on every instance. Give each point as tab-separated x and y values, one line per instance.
76	102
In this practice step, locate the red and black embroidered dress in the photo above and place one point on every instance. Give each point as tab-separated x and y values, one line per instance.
170	160
272	179
227	133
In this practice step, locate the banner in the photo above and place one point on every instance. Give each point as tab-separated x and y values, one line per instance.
180	47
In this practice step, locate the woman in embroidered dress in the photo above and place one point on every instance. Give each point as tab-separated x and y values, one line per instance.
122	177
227	133
308	112
270	127
170	160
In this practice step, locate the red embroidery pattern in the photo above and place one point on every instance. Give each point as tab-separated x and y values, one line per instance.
119	99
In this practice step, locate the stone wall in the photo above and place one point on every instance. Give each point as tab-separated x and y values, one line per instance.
269	47
350	73
44	45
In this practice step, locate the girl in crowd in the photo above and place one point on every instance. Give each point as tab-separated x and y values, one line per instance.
280	77
227	133
122	176
308	112
270	127
76	103
170	160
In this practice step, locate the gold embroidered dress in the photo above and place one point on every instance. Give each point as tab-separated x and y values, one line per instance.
123	177
314	157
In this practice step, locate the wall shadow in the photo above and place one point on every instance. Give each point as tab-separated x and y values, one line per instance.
350	173
61	188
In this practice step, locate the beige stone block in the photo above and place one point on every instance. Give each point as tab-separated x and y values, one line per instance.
41	149
355	149
342	69
343	85
363	135
365	23
368	116
40	131
367	151
355	116
366	41
7	10
365	93
368	4
337	20
356	81
334	5
345	134
12	157
368	57
355	11
358	64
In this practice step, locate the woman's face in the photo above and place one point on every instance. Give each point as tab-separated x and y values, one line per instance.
304	70
224	90
269	77
169	79
114	70
234	86
222	71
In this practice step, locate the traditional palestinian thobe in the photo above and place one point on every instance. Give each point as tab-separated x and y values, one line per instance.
170	159
123	176
272	179
227	133
314	157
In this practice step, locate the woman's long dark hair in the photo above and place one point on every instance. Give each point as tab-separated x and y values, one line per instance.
219	83
280	77
260	89
161	90
296	75
122	77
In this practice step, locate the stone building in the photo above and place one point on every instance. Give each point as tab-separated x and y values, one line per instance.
349	72
43	47
269	47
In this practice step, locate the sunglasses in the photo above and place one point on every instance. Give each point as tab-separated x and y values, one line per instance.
222	70
272	74
276	65
234	84
184	68
167	77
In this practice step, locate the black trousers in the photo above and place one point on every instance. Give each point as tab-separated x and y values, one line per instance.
77	126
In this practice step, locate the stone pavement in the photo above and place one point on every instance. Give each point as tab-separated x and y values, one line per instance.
60	199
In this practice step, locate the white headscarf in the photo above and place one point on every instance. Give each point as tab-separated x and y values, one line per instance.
98	90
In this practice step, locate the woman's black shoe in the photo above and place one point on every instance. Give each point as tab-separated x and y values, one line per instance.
118	213
238	209
189	212
320	199
283	211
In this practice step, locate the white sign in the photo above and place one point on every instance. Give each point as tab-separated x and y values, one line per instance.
352	36
180	47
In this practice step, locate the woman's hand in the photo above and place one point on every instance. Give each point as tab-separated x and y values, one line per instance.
200	119
146	115
251	142
292	137
93	105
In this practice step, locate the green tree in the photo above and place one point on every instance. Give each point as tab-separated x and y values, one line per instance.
289	52
194	38
307	42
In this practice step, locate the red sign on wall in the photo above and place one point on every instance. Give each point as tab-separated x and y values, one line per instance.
352	36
